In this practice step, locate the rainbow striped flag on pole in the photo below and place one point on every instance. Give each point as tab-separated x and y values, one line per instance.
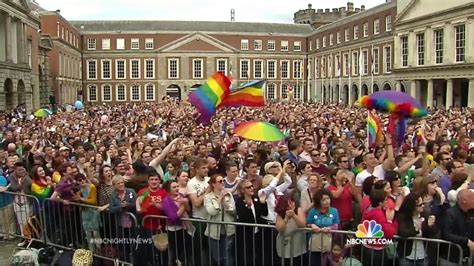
374	130
249	94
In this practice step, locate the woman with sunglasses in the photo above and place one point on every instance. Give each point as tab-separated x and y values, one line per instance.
413	224
342	189
314	184
249	209
220	206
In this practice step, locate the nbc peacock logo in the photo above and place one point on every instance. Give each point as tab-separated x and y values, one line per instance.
369	229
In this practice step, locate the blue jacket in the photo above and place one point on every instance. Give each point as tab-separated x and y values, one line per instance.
115	202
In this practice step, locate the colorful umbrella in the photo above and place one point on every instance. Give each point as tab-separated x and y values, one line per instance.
261	131
394	102
43	112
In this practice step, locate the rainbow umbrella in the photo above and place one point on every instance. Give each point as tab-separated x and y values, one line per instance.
43	112
261	131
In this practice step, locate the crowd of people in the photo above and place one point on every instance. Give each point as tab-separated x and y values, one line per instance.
154	159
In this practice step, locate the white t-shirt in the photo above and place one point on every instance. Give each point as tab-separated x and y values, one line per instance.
198	187
379	173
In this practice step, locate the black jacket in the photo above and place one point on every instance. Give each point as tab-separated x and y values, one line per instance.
406	229
245	215
459	228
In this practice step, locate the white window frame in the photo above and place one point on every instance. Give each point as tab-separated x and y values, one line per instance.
366	29
284	46
117	92
355	63
153	92
146	68
139	92
356	32
131	68
261	75
170	60
201	71
88	69
120	44
404	51
365	60
376	26
149	43
331	39
91	44
316	67
135	44
244	74
375	60
297	92
271	45
317	44
244	44
420	48
274	75
297	69
257	45
106	44
387	59
388	23
103	92
89	87
460	43
284	91
221	60
346	35
288	70
267	94
346	66
338	37
297	46
103	68
438	45
324	41
117	68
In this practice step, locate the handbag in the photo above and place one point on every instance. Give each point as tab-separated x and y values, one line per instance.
82	257
160	241
320	242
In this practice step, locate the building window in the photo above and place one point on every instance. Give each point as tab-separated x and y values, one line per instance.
257	45
331	39
317	43
135	44
135	92
338	37
105	44
311	45
120	44
120	69
106	93
92	93
376	26
67	35
106	65
316	67
271	69
149	44
284	46
404	50
91	69
356	32
439	45
257	69
346	35
62	33
29	51
297	92
337	65
346	65
91	44
271	45
173	68
324	41
388	23
323	67
420	48
284	91
149	92
297	46
297	69
244	45
120	93
135	68
366	29
284	68
365	61
388	59
375	61
150	68
270	91
355	63
197	69
222	66
244	69
460	35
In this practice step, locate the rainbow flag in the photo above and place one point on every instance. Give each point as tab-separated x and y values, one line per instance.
249	94
418	138
374	130
210	95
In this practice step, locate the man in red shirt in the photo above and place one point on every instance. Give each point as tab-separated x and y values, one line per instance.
342	190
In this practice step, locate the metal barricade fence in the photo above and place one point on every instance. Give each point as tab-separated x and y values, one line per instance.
20	217
73	225
325	248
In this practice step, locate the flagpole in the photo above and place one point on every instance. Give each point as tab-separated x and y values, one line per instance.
349	71
297	83
360	71
281	81
323	92
372	70
308	69
339	71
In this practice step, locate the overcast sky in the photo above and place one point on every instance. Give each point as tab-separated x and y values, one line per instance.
280	11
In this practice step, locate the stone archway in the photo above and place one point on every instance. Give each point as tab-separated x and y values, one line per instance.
194	87
173	91
21	92
375	88
346	94
355	92
9	94
386	87
365	90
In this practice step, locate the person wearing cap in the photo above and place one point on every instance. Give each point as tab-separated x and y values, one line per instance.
64	152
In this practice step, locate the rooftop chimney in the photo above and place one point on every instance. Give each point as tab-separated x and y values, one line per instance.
310	6
362	8
350	6
58	11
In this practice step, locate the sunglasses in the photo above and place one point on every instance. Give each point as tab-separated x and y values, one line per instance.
220	181
420	205
249	187
315	154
